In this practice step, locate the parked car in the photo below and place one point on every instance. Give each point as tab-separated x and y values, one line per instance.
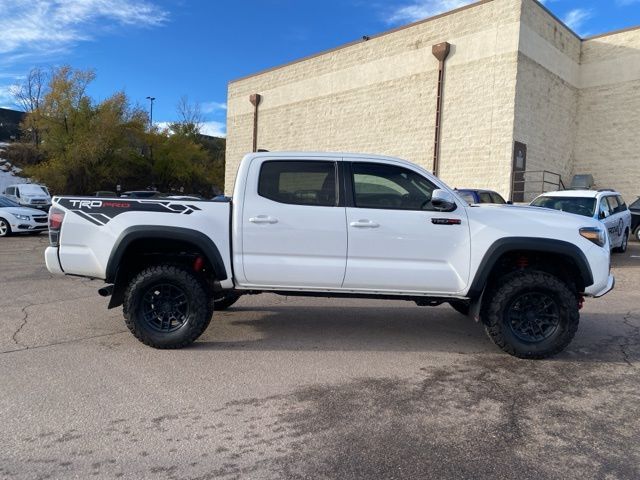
473	195
29	195
142	194
335	225
634	208
606	206
15	218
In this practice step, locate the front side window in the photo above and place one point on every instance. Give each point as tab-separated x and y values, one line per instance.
299	182
622	207
497	198
390	187
485	197
604	210
614	207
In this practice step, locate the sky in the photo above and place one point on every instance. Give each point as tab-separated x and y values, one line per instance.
171	48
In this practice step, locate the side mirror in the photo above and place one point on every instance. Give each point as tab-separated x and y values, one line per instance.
443	201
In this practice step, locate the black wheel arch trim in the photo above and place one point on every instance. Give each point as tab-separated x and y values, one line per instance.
543	245
141	232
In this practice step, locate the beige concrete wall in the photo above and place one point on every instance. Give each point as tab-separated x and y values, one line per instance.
608	119
515	72
379	97
546	95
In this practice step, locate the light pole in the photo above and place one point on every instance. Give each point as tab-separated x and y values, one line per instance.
151	99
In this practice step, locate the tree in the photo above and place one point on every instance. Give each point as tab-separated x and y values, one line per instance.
28	96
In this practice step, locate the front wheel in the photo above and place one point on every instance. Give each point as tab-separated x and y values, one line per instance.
623	245
532	315
5	228
166	306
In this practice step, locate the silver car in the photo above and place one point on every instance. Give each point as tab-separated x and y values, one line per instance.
15	218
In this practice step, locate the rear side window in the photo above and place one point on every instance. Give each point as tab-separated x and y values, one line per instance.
299	182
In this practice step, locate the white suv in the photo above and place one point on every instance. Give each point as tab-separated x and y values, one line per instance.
604	205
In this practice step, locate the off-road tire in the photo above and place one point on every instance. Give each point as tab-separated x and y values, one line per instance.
6	229
638	234
224	300
460	307
512	286
625	242
199	304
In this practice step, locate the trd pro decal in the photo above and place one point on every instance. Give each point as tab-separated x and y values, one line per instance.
100	212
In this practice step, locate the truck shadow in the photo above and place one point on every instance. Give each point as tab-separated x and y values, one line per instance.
600	338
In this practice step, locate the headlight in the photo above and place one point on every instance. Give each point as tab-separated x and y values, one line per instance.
22	217
595	235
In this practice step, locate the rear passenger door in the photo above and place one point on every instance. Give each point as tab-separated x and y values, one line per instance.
293	225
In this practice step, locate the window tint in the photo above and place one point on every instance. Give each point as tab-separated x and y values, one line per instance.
485	197
10	191
497	198
386	186
299	182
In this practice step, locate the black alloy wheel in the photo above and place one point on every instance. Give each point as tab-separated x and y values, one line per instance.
533	316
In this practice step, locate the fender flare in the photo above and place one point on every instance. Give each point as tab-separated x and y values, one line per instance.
543	245
141	232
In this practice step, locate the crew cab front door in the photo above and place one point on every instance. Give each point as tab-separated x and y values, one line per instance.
294	232
398	242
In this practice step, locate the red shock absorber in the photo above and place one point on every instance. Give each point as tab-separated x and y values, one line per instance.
198	264
522	262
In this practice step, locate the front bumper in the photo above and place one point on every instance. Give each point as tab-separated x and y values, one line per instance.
21	226
611	283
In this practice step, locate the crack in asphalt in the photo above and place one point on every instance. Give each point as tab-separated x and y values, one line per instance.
14	337
62	342
631	340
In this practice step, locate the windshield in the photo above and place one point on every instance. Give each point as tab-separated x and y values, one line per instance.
578	205
31	189
5	202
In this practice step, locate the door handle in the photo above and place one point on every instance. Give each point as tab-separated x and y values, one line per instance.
364	224
263	219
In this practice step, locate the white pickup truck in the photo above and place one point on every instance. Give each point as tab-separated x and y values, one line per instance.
335	225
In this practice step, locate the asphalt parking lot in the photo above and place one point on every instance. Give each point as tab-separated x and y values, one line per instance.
282	387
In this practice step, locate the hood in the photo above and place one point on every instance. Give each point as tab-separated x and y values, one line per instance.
22	211
515	220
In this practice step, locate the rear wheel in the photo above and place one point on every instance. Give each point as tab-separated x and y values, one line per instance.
638	234
532	315
5	228
166	306
623	245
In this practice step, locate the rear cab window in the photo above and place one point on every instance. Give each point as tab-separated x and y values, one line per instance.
299	182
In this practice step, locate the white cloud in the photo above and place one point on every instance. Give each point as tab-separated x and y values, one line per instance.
215	129
420	9
6	97
212	107
210	127
575	19
31	27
